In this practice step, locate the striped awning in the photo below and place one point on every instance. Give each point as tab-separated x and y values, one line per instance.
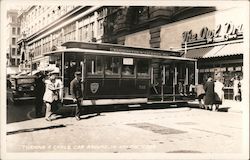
216	51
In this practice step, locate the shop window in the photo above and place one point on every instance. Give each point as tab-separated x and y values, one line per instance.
143	67
94	65
112	66
128	68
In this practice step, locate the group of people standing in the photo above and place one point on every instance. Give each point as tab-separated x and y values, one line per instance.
49	90
214	92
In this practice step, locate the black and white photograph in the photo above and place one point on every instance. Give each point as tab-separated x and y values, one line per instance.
124	79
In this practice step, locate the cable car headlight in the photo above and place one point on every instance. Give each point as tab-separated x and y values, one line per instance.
20	88
32	88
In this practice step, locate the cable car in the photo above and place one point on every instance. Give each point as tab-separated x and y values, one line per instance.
118	74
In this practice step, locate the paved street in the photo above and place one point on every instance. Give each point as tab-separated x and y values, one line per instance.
169	130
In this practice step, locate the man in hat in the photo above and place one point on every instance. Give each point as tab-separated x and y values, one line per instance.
58	83
59	86
50	97
76	92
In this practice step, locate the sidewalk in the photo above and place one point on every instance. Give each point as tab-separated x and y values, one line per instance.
234	106
229	105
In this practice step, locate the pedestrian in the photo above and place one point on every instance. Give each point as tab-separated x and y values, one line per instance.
59	86
39	92
50	97
240	87
209	93
76	92
200	92
219	92
236	88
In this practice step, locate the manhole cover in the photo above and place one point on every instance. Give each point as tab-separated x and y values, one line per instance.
156	128
184	151
186	123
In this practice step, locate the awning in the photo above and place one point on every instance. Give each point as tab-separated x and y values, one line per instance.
216	51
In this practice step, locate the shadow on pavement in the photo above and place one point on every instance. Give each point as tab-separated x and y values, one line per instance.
224	109
25	110
90	116
221	108
19	111
184	151
35	129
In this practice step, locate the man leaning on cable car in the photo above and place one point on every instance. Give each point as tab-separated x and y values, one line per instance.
76	92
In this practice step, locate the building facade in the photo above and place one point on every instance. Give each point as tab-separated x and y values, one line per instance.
45	28
213	36
13	32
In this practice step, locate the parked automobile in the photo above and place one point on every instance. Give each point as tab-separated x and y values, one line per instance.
22	88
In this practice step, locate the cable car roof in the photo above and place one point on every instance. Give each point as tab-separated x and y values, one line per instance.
115	53
117	47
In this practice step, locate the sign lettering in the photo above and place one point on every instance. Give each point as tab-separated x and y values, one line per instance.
220	33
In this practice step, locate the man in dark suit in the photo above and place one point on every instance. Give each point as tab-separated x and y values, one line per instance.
39	92
76	92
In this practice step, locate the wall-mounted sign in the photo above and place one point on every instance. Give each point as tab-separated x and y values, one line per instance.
222	32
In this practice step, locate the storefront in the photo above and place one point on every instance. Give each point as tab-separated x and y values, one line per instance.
219	54
215	39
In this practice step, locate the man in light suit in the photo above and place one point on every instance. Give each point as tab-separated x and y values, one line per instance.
50	96
76	92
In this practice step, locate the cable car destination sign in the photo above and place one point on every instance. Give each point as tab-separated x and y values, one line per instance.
221	33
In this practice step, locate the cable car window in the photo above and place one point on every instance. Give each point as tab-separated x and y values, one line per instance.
128	70
143	67
94	65
112	66
128	67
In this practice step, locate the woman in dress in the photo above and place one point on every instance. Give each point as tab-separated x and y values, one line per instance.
209	94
